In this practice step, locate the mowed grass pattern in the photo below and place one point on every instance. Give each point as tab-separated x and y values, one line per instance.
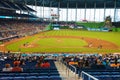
61	42
113	37
70	45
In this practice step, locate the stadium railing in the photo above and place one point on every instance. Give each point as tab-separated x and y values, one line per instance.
74	69
86	76
70	68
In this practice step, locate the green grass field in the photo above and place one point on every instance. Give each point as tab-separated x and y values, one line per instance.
46	42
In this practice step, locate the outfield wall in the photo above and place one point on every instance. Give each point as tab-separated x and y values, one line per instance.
91	24
116	29
96	26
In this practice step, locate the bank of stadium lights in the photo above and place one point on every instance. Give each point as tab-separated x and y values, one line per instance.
54	15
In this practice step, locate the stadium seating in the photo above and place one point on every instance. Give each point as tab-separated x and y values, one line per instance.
102	72
9	30
106	75
30	72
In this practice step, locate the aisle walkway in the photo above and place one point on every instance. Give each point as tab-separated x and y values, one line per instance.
65	73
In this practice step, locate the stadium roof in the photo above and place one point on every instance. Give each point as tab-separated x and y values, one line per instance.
5	4
73	3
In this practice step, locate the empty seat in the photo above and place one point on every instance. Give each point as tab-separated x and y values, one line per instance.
22	74
19	78
44	74
54	74
31	78
34	74
6	78
7	74
55	78
43	78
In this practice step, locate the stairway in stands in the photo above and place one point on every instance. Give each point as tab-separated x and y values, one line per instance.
66	73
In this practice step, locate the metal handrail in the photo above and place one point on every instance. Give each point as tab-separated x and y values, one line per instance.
90	76
75	70
67	69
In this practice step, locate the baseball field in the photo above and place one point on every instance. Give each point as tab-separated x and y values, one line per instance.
66	41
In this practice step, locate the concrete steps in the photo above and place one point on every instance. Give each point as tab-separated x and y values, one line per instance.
66	73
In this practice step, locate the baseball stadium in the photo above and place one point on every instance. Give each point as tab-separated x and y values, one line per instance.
59	40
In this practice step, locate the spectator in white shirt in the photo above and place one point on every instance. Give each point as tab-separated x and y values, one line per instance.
7	68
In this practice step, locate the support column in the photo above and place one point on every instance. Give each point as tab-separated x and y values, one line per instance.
76	12
43	8
104	10
80	14
58	10
26	4
94	10
115	10
99	15
67	11
36	6
90	15
50	11
85	10
40	11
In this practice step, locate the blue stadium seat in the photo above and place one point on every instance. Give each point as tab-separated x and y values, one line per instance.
19	78
31	78
106	78
115	78
43	78
6	78
54	74
44	74
31	73
34	74
22	74
55	78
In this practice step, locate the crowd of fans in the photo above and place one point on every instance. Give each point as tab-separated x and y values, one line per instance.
11	28
20	61
106	61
